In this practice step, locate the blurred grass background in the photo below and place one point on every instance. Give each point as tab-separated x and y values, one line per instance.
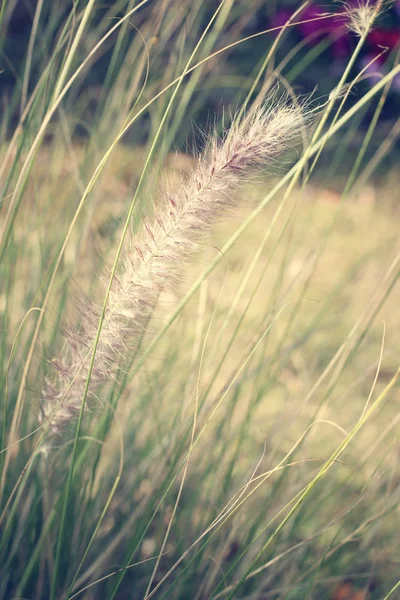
281	346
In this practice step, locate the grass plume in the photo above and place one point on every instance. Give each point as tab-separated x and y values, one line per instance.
155	256
362	16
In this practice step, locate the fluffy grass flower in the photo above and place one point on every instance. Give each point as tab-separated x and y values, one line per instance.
360	17
156	254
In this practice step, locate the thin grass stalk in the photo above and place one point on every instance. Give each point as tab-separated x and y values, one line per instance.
335	456
111	67
267	59
273	492
341	151
123	533
338	89
35	555
71	54
186	466
2	10
101	518
196	75
379	155
244	281
346	352
7	375
392	591
178	471
332	548
231	508
338	155
205	427
31	44
368	137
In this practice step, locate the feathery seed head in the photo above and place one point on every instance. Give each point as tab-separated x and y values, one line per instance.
362	16
339	92
155	256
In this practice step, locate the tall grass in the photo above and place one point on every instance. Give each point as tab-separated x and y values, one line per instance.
198	392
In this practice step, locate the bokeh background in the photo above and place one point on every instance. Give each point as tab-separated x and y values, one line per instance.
321	50
294	334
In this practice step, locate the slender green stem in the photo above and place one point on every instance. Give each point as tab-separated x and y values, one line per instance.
71	54
331	461
394	588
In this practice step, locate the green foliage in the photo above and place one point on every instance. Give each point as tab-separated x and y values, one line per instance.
247	445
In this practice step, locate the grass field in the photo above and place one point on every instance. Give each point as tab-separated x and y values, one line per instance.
199	357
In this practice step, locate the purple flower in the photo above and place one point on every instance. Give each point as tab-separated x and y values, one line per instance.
312	25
